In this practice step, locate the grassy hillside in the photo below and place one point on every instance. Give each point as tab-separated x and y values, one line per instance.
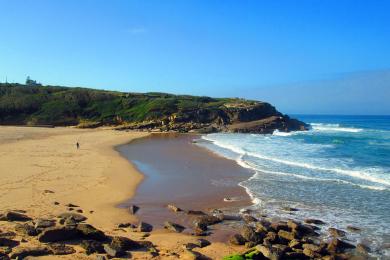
21	104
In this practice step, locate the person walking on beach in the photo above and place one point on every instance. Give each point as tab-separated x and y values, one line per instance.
77	145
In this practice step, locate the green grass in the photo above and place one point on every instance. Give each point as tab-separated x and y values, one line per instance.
57	105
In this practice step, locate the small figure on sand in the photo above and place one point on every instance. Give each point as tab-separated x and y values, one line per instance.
77	145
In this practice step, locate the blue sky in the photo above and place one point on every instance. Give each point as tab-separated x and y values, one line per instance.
285	52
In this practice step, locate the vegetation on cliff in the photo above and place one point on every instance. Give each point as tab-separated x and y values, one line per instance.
56	105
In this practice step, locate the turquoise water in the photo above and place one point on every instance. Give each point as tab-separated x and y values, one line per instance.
339	171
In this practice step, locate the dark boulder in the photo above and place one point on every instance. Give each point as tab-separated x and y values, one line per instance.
145	244
334	232
113	252
173	226
287	235
262	226
41	224
21	253
311	254
301	229
92	246
5	250
119	246
314	247
248	218
70	205
295	244
200	232
124	243
26	229
126	225
8	242
279	248
314	221
237	239
4	256
77	217
196	212
69	222
290	209
199	226
14	216
203	222
133	209
61	249
338	246
250	244
144	227
88	231
270	238
202	243
270	252
279	225
250	235
189	246
9	234
56	234
293	225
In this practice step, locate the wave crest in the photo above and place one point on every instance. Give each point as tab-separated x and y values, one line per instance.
334	128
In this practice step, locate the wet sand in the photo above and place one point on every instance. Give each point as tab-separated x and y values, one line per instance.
179	172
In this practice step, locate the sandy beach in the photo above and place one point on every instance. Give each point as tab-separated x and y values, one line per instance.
41	167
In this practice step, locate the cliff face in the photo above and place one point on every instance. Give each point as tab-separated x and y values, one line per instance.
253	117
52	105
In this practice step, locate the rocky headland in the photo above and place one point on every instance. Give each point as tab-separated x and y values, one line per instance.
157	112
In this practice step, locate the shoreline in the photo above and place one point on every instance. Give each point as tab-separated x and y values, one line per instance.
221	232
49	172
205	179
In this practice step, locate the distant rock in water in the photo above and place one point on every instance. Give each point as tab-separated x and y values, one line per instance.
157	112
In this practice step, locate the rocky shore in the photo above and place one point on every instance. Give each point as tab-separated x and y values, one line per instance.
257	238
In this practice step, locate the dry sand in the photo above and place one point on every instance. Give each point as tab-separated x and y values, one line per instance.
39	166
37	161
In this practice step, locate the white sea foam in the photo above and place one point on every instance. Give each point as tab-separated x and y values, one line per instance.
363	174
316	169
278	133
246	164
334	128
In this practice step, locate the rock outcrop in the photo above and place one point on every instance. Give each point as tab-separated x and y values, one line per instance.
237	117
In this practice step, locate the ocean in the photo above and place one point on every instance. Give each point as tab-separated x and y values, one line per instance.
338	171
